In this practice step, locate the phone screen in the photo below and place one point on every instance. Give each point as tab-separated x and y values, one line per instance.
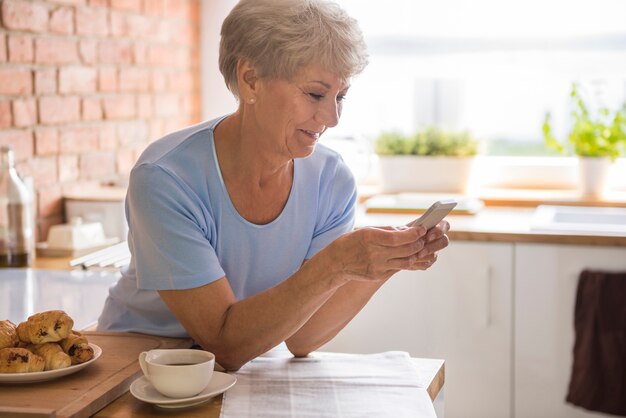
435	213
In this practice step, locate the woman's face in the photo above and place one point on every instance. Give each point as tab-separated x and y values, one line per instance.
293	114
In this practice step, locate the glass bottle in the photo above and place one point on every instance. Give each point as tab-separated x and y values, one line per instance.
16	221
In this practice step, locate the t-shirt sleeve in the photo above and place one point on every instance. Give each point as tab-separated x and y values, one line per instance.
170	232
338	196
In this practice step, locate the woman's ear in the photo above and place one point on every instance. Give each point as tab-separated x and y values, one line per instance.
247	79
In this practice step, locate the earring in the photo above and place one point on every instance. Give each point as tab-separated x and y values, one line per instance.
252	100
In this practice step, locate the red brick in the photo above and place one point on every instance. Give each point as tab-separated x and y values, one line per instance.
132	133
71	2
6	119
183	58
24	15
134	79
45	172
115	52
56	51
152	8
140	53
20	49
107	79
97	165
119	106
46	81
181	81
21	140
139	27
108	137
176	8
68	168
159	81
92	21
15	81
46	141
3	48
92	109
157	128
77	139
55	109
166	104
24	112
77	80
50	201
144	106
88	51
191	104
119	24
62	20
125	161
162	55
131	5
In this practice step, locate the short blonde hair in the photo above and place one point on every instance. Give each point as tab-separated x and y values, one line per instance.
280	37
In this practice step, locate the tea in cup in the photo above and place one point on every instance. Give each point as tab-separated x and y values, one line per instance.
178	373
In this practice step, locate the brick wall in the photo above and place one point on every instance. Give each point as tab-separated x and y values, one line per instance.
85	85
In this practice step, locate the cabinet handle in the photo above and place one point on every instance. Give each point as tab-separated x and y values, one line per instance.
487	290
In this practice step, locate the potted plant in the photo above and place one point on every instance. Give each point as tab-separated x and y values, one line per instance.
431	160
596	139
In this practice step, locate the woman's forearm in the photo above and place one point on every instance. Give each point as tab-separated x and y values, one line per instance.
242	330
332	316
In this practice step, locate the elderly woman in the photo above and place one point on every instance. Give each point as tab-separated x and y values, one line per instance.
241	228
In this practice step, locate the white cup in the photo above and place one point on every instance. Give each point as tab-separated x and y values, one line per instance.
178	373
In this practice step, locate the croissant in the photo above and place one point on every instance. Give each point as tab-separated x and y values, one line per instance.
20	360
8	334
53	355
77	347
44	327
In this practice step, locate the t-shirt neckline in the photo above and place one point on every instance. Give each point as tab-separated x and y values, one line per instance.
224	190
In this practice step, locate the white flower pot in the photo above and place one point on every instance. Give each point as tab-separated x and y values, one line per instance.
410	173
594	174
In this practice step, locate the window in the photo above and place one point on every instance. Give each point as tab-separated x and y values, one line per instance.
490	66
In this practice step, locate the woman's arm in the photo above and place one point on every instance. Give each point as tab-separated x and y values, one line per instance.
238	331
348	300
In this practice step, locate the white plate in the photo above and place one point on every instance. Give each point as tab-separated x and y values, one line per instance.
50	374
143	390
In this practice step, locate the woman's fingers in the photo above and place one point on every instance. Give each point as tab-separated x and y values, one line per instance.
412	263
392	237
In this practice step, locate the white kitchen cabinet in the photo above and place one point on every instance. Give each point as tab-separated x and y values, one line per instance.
461	311
546	279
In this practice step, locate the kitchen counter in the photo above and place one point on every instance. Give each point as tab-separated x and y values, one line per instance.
499	224
81	294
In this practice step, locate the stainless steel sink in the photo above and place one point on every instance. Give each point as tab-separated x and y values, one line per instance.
579	219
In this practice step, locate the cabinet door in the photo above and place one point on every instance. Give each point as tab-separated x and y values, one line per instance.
546	279
459	310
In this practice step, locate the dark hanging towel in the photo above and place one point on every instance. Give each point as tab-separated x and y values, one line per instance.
598	380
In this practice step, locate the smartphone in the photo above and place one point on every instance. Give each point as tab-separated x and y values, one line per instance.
435	213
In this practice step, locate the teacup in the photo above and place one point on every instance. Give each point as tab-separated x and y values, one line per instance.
178	373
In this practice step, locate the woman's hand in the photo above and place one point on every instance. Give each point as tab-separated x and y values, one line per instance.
376	253
436	240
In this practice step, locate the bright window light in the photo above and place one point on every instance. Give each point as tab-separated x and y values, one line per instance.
491	67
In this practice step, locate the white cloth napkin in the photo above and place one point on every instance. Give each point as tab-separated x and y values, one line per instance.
329	385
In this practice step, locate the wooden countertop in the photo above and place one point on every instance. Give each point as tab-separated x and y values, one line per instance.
430	375
499	224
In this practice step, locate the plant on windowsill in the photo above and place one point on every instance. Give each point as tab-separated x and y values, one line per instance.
431	160
596	139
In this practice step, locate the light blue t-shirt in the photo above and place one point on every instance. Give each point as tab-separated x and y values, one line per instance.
184	231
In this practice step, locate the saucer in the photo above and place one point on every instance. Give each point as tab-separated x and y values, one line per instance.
143	390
